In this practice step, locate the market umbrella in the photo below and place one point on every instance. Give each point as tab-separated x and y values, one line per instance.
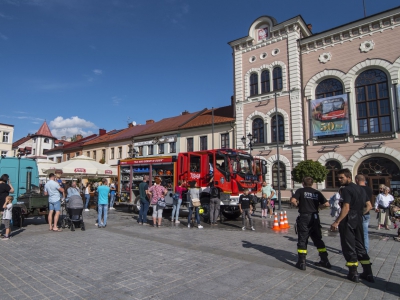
83	165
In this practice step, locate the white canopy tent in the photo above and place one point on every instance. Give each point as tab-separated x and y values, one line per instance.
82	167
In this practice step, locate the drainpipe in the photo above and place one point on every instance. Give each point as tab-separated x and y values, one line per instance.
396	98
302	99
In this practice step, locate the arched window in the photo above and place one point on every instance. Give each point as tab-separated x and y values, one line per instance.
281	175
254	84
281	128
331	180
329	87
258	130
265	84
277	76
372	100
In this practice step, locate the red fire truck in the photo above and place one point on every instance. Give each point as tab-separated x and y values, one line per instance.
231	171
330	110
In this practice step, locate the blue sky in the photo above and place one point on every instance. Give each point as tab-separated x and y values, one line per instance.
82	65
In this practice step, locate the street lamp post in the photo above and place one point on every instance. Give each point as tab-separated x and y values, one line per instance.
277	152
252	141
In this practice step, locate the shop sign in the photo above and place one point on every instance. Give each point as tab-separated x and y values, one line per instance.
330	116
80	170
146	161
107	172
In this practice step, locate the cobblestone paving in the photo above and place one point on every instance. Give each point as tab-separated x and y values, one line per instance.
130	261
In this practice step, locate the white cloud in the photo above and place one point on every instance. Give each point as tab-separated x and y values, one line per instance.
116	100
21	117
97	72
71	126
4	37
5	16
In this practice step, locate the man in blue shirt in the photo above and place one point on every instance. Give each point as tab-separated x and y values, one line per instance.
103	191
53	190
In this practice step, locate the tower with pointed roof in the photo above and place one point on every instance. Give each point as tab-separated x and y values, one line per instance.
42	140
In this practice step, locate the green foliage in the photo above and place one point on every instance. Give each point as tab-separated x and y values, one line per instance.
102	161
310	168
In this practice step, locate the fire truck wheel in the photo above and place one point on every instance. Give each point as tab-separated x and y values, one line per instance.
136	205
231	214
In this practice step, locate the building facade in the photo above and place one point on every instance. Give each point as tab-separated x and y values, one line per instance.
6	139
336	92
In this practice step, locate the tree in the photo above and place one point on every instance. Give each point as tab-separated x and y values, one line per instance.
310	168
102	161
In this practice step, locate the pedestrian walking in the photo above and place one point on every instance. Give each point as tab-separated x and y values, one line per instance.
309	201
144	200
5	189
102	209
7	216
349	224
87	196
382	204
179	189
55	192
113	190
360	180
245	208
215	205
194	194
157	192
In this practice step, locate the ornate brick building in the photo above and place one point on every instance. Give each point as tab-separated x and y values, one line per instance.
336	92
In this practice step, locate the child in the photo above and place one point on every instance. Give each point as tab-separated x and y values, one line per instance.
264	204
7	216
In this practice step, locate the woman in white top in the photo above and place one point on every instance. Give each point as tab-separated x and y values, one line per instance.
194	193
87	196
382	204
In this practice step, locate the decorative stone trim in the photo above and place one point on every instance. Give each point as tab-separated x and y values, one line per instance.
309	90
273	159
380	136
325	57
331	141
275	52
252	59
263	55
367	46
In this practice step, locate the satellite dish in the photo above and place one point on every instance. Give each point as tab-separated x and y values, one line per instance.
133	123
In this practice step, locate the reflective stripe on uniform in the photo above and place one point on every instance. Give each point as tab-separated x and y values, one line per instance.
321	250
365	262
302	251
352	264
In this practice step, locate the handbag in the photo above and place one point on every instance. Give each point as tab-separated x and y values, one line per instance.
161	203
196	202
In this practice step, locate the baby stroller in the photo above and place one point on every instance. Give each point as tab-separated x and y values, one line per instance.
73	217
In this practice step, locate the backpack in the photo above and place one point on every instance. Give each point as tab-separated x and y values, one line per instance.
214	192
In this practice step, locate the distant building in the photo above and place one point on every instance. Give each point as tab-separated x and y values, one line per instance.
6	138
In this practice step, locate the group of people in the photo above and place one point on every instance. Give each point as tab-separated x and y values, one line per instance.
355	203
6	205
156	193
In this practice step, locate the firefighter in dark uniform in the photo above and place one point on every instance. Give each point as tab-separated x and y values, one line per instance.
350	225
309	200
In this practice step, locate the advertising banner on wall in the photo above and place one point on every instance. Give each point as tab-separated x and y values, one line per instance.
330	116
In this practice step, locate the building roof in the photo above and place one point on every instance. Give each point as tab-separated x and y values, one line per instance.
129	132
170	124
44	130
221	115
102	138
21	141
80	143
55	149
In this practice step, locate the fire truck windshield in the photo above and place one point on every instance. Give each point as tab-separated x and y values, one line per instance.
331	106
241	164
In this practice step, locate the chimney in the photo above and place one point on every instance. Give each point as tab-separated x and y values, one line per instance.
79	137
309	27
185	112
149	122
130	125
102	131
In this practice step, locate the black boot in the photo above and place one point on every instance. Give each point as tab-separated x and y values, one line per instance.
353	274
367	273
324	262
301	262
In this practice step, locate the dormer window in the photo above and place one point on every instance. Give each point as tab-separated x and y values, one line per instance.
46	140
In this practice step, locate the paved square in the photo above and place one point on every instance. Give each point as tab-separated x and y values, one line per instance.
130	261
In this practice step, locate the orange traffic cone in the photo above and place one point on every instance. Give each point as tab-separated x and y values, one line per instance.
276	224
286	220
282	222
